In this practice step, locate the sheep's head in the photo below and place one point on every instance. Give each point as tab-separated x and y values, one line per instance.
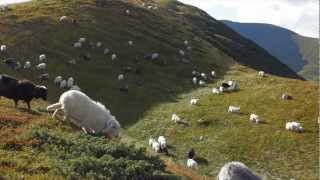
112	129
41	92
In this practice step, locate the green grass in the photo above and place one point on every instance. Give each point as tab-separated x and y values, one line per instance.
33	28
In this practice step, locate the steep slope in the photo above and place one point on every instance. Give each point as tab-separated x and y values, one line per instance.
164	85
300	53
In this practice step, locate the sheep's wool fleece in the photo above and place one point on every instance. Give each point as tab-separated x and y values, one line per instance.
85	112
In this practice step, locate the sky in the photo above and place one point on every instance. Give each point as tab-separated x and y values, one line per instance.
301	16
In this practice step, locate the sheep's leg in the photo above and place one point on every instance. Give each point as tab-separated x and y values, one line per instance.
28	103
16	103
55	113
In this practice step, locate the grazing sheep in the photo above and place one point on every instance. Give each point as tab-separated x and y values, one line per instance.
75	87
3	48
255	118
57	80
77	45
24	90
175	118
233	109
181	52
236	171
155	56
186	42
99	44
82	40
230	86
286	97
294	126
191	153
261	74
202	83
27	65
42	57
216	91
86	113
213	73
63	18
195	80
163	142
70	82
120	77
192	163
130	43
113	56
203	75
63	84
106	51
41	66
194	101
128	12
44	77
151	141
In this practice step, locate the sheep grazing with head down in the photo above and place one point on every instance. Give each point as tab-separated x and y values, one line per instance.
63	18
261	74
90	116
294	126
194	101
155	56
236	171
3	48
233	109
23	90
255	118
113	57
42	57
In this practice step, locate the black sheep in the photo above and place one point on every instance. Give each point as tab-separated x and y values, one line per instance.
24	90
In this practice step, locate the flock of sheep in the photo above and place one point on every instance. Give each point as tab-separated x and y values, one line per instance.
94	118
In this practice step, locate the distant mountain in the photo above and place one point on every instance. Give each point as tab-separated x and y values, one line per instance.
298	52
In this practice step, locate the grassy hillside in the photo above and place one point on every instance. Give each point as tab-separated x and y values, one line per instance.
163	87
298	52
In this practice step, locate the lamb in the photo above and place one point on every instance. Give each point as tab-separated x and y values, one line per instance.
294	126
181	52
70	82
192	163
57	80
217	91
63	18
63	84
3	48
27	65
41	66
24	90
233	109
194	101
255	118
163	143
236	171
261	74
120	77
156	146
77	45
42	57
175	118
202	83
85	113
113	56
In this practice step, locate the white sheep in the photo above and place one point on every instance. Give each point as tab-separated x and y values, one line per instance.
41	66
128	12
202	83
213	73
236	171
75	87
70	82
192	163
130	43
113	56
175	118
203	75
3	48
27	65
82	40
195	80
156	146
77	45
86	113
194	101
261	74
99	44
151	141
120	77
194	73
106	51
155	56
181	52
186	42
233	109
42	57
63	84
57	80
163	142
286	97
255	118
216	91
221	88
63	18
294	126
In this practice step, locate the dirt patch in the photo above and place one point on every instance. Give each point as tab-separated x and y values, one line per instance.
13	120
180	170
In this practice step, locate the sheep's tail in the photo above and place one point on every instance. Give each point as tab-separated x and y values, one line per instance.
54	106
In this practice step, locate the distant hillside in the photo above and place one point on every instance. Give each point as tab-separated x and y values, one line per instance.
298	52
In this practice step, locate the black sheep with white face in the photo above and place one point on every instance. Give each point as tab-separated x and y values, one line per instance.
24	90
